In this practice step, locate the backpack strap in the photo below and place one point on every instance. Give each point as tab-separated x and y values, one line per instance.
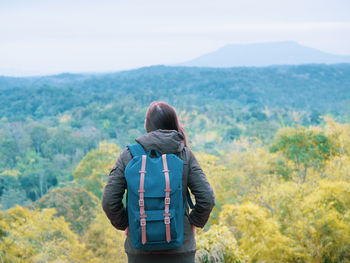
186	153
136	149
189	200
167	191
141	200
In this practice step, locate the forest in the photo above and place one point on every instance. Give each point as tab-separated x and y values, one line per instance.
274	142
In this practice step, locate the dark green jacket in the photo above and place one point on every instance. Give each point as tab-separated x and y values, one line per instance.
164	141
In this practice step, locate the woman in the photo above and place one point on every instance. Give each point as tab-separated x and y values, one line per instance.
165	135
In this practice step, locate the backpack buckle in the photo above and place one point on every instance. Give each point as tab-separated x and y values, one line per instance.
167	220
141	202
167	200
142	222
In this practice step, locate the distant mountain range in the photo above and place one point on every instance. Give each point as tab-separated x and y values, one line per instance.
265	54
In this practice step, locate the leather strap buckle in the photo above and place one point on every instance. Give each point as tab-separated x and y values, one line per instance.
141	202
167	220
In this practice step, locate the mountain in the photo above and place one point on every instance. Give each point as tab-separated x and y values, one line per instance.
265	54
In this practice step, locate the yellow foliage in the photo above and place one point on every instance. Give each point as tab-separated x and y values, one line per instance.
285	201
208	136
262	213
259	235
332	195
38	236
339	132
251	168
219	178
218	244
13	173
250	176
338	167
104	241
280	219
323	229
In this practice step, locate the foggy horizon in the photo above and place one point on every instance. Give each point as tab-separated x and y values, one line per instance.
41	38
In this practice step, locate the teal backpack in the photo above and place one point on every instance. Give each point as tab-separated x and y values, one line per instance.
155	203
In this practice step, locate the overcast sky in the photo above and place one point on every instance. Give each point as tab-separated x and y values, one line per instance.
49	36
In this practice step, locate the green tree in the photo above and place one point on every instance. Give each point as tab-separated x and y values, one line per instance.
8	153
305	147
39	136
37	175
75	204
93	169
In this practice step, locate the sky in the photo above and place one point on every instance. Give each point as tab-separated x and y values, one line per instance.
39	37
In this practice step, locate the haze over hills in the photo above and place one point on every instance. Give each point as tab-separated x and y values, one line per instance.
232	55
265	54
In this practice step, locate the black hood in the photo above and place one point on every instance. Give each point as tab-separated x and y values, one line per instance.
163	141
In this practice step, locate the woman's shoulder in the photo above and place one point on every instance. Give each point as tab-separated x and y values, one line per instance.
125	156
186	154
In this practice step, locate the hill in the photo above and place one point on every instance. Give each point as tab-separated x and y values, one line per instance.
265	54
324	88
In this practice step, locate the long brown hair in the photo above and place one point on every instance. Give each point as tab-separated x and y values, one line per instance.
161	115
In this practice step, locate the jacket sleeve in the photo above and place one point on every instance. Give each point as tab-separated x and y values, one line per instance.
114	191
202	191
